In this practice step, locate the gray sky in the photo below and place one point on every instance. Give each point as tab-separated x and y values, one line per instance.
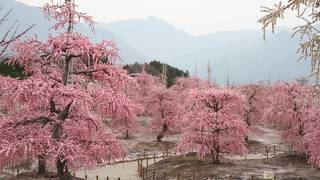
194	16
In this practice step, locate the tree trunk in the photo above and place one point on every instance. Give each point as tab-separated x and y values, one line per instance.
42	165
247	120
127	134
61	162
246	138
215	157
62	169
161	135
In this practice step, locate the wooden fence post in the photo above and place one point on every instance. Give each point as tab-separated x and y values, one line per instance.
165	175
154	158
107	177
85	177
97	177
147	161
274	149
267	153
153	175
18	172
118	178
141	170
146	173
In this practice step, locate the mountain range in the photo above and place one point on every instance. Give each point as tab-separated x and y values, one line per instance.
242	56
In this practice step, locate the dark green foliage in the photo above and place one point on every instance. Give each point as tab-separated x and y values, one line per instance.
155	68
14	71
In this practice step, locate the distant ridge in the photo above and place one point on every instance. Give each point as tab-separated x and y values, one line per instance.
241	54
27	15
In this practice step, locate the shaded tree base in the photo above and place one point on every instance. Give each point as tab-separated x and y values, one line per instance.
35	176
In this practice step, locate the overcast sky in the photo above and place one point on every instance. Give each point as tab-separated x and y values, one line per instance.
194	16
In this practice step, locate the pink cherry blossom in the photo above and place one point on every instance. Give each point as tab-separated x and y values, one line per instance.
256	95
164	109
216	123
289	107
56	115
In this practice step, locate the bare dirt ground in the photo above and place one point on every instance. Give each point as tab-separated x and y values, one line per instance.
145	141
285	165
32	175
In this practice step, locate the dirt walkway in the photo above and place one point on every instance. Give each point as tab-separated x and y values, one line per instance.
262	139
126	171
283	164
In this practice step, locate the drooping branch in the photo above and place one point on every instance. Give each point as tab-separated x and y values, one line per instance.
63	115
88	71
40	120
53	107
5	41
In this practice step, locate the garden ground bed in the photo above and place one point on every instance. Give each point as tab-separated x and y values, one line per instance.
285	166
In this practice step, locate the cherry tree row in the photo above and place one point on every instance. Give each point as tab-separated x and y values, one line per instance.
76	99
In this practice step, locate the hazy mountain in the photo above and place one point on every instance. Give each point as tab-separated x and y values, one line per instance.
28	15
274	59
157	39
241	54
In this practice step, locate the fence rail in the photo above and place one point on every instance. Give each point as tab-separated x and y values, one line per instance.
145	159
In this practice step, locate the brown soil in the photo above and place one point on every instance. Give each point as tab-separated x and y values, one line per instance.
35	176
285	165
154	146
288	167
282	162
